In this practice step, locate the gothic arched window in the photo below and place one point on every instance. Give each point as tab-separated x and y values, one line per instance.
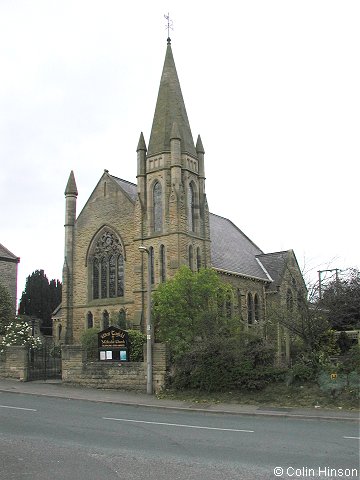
162	264
191	208
107	266
289	300
198	259
89	320
191	257
157	205
239	302
152	271
106	320
250	308
122	319
256	308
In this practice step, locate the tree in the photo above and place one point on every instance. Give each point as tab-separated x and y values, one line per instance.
40	298
189	307
341	301
6	309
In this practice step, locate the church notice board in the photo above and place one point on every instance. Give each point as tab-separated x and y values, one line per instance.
113	345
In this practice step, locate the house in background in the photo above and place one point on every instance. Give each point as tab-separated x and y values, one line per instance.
8	272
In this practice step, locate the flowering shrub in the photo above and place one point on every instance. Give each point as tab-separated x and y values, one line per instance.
18	333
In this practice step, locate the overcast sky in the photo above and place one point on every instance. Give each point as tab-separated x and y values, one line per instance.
273	88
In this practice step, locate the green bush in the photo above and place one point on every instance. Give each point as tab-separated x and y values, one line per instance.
89	343
137	340
300	373
220	364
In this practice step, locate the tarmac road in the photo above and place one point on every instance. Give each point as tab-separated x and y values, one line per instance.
47	437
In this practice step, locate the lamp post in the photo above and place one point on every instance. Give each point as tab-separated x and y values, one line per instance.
149	383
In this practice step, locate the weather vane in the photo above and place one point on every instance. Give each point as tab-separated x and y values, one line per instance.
169	25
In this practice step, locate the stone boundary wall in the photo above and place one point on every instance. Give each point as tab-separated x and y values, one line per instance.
14	363
113	375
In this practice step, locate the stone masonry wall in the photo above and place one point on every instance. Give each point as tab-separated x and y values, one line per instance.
14	363
112	375
8	278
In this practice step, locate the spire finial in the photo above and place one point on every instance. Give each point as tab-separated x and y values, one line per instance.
169	27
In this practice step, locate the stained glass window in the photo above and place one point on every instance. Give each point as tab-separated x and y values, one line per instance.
112	276
157	204
120	278
107	264
104	277
96	278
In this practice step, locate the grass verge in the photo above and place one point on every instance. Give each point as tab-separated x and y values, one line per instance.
276	395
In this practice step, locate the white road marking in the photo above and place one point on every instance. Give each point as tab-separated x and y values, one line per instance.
353	438
178	425
19	408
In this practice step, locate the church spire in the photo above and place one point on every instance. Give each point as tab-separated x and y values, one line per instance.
170	108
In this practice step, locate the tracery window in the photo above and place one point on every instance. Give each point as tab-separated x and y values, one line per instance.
162	264
157	205
107	264
191	208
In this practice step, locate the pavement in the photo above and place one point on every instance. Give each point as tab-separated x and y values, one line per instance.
55	388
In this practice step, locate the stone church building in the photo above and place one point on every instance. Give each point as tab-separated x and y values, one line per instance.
166	210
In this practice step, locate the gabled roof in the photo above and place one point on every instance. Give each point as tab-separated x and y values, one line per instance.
275	264
170	108
6	255
232	251
128	187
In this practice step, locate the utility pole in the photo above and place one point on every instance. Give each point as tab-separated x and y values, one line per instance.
336	270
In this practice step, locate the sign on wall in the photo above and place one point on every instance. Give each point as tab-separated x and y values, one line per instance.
114	345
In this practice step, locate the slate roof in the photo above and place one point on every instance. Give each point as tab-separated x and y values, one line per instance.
128	187
6	255
275	264
170	108
232	251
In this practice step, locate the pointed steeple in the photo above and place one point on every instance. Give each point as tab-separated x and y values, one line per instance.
141	144
71	188
170	108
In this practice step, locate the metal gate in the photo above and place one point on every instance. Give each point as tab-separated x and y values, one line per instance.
45	362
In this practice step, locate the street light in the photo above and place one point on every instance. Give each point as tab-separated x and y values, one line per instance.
149	383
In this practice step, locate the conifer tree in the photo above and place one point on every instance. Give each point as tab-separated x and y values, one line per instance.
40	297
